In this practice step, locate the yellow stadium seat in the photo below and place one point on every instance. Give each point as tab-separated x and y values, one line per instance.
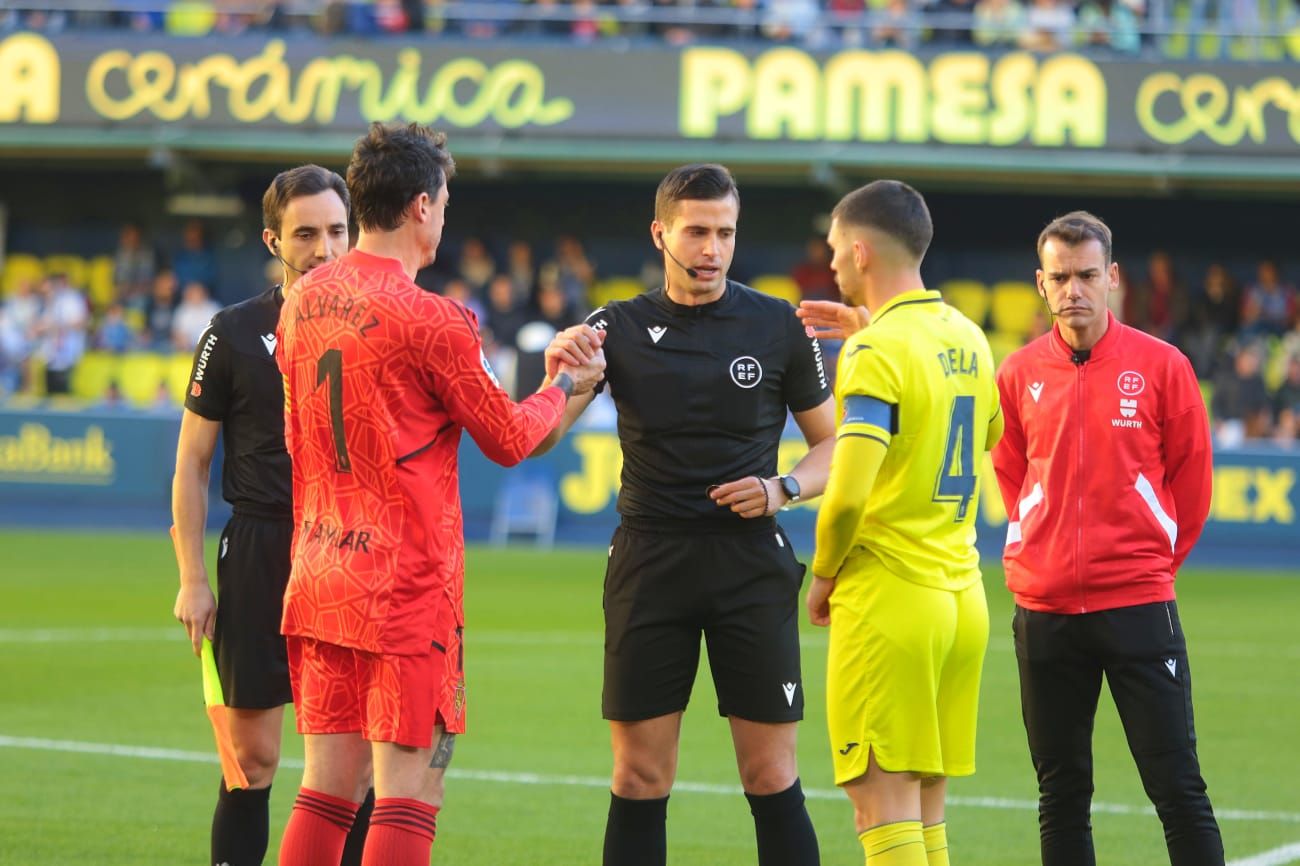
614	289
190	18
778	286
94	275
971	297
93	374
1207	394
1274	366
20	268
72	267
179	367
36	375
1015	307
140	376
135	320
99	282
1003	344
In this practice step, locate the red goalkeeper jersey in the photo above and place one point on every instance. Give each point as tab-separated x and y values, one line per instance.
379	379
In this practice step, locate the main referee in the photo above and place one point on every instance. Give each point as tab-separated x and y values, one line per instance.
236	389
702	373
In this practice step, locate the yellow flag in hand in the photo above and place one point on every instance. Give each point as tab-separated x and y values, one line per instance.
215	701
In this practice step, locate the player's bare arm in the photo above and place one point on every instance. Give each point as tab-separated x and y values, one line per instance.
570	350
760	497
818	428
831	320
195	607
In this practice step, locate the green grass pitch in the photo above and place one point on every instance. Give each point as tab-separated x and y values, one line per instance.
104	745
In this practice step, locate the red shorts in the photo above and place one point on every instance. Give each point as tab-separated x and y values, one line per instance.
385	698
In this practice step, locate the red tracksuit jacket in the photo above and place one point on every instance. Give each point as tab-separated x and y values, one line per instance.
1105	469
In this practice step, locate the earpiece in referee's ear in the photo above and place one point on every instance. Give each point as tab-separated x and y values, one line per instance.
275	251
690	272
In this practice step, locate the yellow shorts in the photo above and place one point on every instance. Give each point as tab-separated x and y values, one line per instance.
903	673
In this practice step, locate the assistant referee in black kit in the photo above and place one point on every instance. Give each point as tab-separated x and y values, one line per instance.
235	390
702	373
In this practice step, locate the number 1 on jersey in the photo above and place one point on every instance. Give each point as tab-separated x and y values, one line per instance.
330	366
956	482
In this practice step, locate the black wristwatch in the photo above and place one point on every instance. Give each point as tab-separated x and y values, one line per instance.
790	487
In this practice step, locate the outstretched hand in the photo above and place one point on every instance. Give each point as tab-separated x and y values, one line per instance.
831	320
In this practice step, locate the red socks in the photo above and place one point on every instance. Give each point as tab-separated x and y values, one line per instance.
317	830
401	833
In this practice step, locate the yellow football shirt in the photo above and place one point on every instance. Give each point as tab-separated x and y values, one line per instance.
919	379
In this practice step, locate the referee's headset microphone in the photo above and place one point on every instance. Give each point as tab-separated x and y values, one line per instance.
275	251
690	272
1078	356
1056	314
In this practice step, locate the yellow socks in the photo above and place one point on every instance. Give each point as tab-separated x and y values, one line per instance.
936	844
898	844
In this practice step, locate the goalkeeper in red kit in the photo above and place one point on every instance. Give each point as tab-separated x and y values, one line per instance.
380	380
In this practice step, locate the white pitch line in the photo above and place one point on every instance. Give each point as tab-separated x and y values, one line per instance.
90	635
516	778
489	637
1276	857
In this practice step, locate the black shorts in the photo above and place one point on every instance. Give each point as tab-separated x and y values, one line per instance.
252	572
740	589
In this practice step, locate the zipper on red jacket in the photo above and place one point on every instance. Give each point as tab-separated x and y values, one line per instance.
1078	478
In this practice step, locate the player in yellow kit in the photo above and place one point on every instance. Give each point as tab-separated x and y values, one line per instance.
896	573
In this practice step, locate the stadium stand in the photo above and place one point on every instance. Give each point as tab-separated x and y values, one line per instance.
1173	28
1014	309
969	296
778	286
613	289
142	377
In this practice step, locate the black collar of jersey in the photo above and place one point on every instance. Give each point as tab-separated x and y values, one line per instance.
660	299
929	298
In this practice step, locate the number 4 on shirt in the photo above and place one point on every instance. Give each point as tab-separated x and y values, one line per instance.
956	482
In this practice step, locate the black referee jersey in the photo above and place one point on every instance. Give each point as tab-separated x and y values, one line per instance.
702	393
235	380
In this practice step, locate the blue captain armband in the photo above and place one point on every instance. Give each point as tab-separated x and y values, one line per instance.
861	409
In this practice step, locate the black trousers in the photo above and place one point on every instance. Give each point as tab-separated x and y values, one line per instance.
1143	654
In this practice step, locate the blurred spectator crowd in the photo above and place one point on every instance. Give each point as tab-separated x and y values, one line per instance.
1243	340
59	339
157	303
1242	337
1118	26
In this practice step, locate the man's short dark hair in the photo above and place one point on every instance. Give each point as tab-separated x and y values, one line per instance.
1075	228
697	182
295	183
392	164
892	208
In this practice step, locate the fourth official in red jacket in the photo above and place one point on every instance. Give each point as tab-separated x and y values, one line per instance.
1105	471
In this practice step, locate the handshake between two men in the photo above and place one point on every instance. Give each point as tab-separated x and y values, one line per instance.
577	352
